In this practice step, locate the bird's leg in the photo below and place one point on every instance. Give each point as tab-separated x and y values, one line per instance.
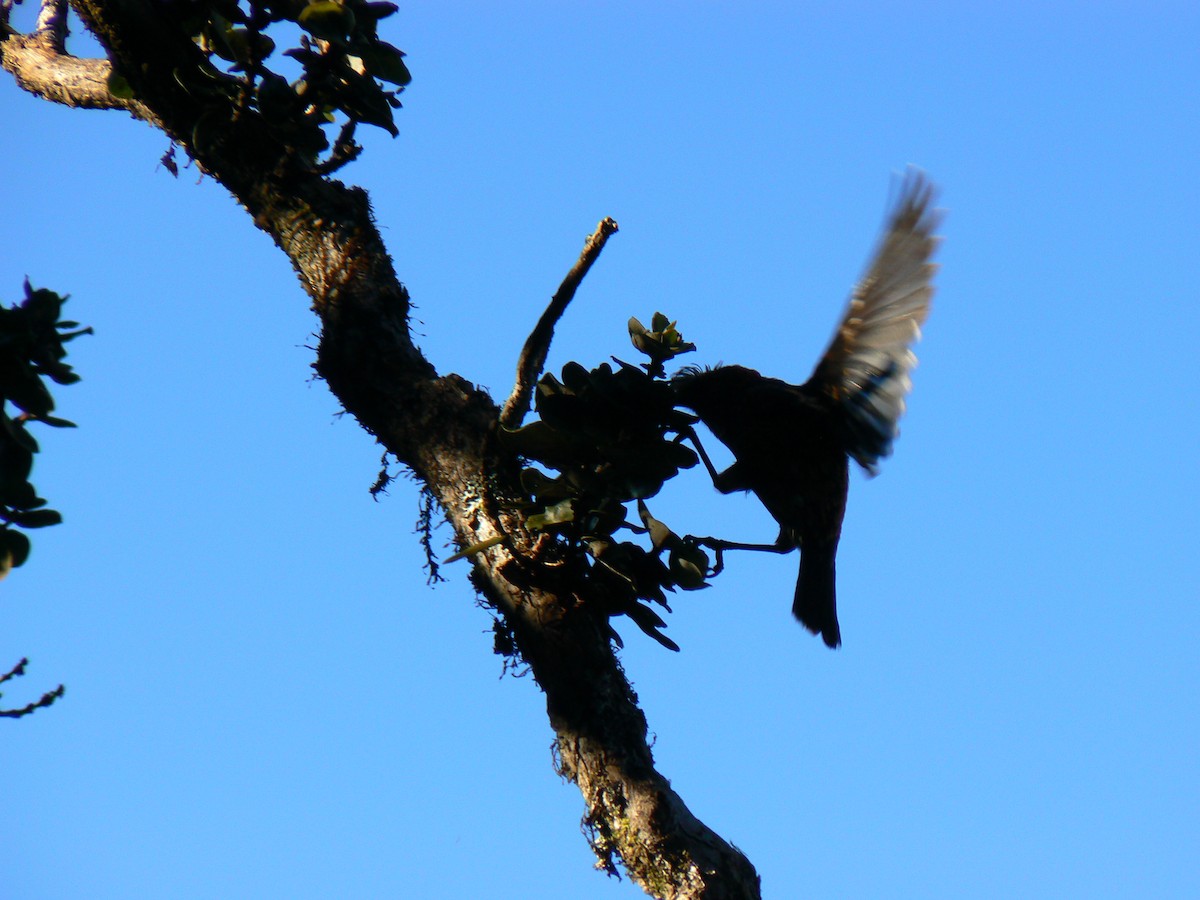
718	546
690	433
726	482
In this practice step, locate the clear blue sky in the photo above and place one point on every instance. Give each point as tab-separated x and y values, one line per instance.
266	700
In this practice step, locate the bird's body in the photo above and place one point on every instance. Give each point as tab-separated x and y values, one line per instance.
789	453
792	443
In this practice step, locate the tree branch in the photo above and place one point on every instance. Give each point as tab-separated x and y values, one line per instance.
45	700
537	345
443	428
40	65
52	22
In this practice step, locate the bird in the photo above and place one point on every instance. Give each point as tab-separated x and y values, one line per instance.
792	443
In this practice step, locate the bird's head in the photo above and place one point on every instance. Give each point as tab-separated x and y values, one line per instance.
709	390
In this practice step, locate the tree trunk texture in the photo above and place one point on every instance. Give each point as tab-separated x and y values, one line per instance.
440	426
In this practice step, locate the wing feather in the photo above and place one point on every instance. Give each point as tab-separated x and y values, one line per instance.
866	367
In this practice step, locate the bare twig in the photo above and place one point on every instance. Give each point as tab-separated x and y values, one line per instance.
52	24
533	354
344	152
16	671
46	699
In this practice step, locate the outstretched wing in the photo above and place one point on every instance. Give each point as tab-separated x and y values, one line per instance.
866	368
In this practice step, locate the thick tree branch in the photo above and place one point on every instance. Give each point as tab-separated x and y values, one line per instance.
537	345
443	428
40	64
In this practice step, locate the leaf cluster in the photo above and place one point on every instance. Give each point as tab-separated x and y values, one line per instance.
32	336
348	74
661	342
611	437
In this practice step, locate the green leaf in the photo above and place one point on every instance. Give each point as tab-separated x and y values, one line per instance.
599	546
59	373
44	306
247	48
20	495
385	61
603	518
661	342
678	455
640	486
37	518
15	546
20	435
56	422
71	335
546	490
641	337
30	395
362	99
277	100
379	10
565	411
575	377
119	87
549	386
16	462
327	20
539	441
558	514
659	532
689	566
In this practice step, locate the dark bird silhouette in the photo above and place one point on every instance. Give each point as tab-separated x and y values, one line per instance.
792	443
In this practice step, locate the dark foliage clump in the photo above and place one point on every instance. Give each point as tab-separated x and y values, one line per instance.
611	436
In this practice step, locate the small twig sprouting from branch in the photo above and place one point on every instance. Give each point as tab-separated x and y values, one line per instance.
52	24
16	671
344	151
46	699
537	346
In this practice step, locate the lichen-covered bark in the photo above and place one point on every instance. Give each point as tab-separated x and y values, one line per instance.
439	425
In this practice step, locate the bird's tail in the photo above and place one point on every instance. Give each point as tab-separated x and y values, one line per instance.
815	604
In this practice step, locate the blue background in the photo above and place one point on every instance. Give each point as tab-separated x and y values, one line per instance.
264	698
